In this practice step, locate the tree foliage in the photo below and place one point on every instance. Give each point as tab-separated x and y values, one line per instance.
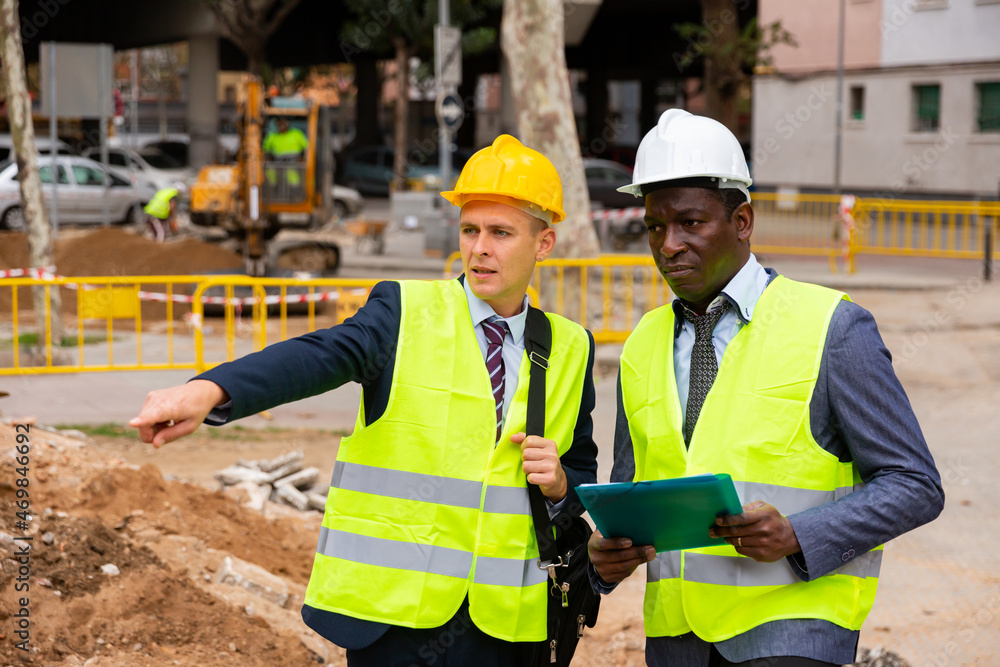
730	54
406	29
751	49
250	24
377	23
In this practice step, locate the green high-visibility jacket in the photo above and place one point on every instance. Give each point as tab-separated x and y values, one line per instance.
754	425
159	205
290	142
425	506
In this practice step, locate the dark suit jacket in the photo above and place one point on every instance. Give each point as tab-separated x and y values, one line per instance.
362	349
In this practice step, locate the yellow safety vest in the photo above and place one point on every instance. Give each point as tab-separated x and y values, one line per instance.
424	507
290	142
754	425
159	205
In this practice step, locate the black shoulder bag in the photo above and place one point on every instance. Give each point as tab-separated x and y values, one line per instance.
572	602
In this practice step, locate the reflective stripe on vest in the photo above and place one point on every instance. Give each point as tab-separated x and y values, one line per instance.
429	488
788	500
742	571
771	364
425	558
425	507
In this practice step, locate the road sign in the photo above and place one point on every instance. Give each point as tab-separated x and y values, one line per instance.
448	55
449	111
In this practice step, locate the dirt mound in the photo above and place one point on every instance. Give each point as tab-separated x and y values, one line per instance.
142	499
117	252
71	558
110	251
160	603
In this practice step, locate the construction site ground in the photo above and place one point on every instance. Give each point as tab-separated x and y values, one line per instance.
159	518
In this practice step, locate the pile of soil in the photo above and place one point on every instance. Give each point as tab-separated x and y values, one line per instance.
159	604
110	251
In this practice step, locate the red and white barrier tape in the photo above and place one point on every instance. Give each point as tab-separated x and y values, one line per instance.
635	213
44	273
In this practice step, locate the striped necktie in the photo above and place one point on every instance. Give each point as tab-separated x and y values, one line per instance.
494	363
704	365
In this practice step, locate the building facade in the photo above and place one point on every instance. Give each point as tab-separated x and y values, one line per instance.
921	99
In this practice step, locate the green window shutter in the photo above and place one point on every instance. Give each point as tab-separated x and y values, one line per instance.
988	119
928	111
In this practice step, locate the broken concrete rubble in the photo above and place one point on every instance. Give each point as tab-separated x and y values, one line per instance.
282	479
254	578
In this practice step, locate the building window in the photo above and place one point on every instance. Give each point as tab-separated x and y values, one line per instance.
988	118
926	108
857	102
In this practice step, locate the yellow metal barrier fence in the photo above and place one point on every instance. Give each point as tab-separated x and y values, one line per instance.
263	295
924	228
105	318
158	322
799	224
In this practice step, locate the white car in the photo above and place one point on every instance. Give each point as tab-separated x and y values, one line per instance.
80	194
42	144
148	165
346	201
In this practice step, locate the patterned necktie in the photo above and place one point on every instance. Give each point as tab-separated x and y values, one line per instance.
494	363
704	365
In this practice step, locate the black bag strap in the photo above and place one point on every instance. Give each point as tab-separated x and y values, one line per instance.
538	344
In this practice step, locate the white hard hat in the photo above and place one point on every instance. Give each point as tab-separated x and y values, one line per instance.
684	146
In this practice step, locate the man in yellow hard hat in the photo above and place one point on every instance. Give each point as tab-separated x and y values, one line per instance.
427	554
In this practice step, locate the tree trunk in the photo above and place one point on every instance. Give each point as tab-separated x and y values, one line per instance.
533	42
23	134
722	66
366	111
402	112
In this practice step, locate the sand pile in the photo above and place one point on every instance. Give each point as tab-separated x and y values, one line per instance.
125	566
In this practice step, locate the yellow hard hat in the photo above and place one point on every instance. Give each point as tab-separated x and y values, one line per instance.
510	169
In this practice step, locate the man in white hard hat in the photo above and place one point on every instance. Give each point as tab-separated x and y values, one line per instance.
785	386
427	554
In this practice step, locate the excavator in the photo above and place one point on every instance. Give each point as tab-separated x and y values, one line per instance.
276	208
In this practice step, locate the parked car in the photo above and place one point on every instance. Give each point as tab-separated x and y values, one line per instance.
178	149
604	177
80	193
368	169
346	201
42	144
149	165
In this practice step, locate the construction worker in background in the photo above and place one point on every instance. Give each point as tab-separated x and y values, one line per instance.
161	214
427	554
785	386
287	144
